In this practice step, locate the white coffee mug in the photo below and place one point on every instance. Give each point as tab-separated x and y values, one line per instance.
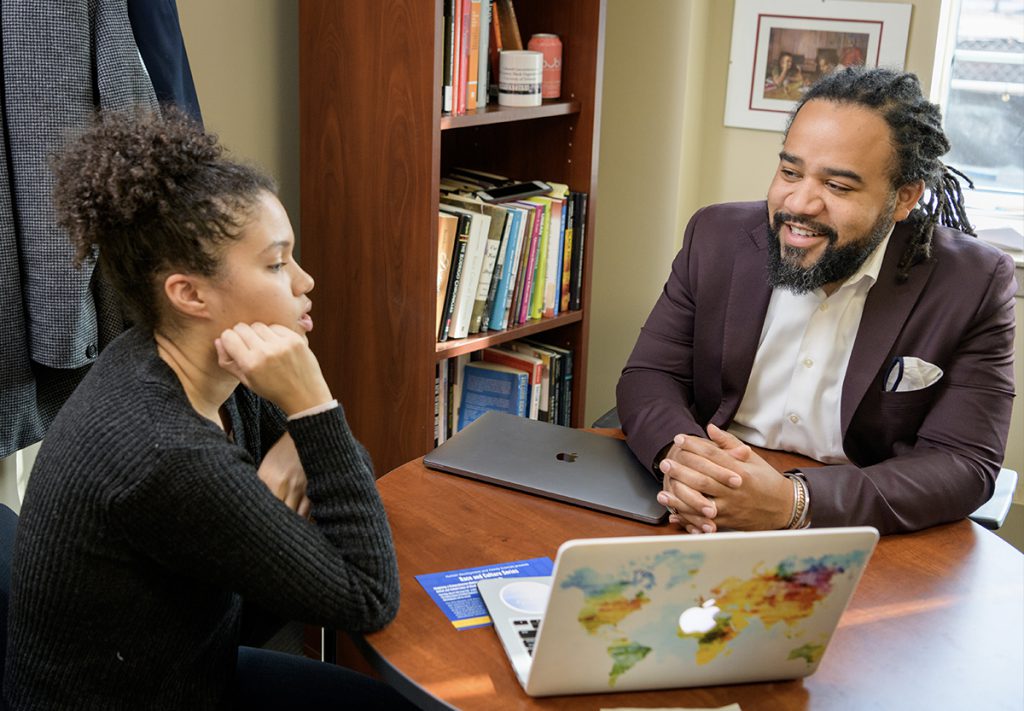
519	78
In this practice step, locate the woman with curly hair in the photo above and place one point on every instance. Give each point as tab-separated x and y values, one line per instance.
166	518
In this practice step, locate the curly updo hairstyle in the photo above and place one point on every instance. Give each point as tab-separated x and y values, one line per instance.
147	195
918	142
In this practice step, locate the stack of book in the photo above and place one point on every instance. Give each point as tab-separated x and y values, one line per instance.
525	377
501	265
475	32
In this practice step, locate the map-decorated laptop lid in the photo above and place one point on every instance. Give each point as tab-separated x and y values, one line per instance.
671	611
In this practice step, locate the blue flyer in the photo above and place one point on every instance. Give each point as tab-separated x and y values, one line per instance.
455	591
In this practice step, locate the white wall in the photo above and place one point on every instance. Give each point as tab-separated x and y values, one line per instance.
639	179
244	56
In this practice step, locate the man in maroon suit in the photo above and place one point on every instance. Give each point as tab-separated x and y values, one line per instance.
849	319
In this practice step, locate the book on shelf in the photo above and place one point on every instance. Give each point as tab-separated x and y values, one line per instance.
505	279
556	239
448	28
437	395
469	283
515	291
499	271
440	403
453	409
491	386
510	37
456	52
447	228
548	407
494	50
563	379
467	68
456	378
527	265
453	185
570	205
455	271
494	235
462	83
498	218
479	178
579	236
553	292
534	367
473	69
483	65
536	303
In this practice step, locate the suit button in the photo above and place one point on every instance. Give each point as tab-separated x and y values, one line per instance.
90	351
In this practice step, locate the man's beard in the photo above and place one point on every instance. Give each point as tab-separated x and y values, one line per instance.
836	264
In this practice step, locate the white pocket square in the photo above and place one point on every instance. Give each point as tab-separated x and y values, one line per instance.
907	374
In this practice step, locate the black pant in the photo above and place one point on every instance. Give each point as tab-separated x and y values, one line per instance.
275	680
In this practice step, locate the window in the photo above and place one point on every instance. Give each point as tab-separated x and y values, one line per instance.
980	85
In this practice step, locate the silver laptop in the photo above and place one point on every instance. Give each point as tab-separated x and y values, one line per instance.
660	612
574	466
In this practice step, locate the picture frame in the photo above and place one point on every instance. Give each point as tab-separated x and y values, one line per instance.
780	47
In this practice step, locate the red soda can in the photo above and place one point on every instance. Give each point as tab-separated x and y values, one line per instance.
551	47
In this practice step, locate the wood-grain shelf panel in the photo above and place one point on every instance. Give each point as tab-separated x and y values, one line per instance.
493	113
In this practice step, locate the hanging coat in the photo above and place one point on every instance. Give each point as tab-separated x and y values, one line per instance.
62	60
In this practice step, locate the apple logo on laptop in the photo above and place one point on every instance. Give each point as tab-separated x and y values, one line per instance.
566	456
698	620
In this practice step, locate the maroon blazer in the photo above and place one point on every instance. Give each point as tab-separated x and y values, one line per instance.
917	458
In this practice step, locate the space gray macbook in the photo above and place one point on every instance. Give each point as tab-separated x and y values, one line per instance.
574	466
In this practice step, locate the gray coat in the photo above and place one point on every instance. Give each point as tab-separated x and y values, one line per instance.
62	61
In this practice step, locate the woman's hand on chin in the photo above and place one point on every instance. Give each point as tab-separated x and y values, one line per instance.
274	362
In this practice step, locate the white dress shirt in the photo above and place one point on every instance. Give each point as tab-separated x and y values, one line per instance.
792	401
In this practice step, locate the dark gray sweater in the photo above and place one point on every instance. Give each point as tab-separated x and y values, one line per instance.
144	527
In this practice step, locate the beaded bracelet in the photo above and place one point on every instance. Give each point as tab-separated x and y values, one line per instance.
801	502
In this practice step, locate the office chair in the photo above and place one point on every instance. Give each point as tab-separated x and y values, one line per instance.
991	514
8	524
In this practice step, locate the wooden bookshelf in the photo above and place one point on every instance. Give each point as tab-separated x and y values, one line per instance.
373	147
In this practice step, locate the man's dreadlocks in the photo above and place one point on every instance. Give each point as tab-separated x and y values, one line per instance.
917	140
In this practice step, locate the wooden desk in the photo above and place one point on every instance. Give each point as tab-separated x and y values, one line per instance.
936	623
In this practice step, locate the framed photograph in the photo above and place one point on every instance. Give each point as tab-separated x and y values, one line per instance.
781	47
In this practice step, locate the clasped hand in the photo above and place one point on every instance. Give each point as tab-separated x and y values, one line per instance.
721	482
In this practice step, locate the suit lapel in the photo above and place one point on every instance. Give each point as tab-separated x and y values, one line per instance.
887	308
749	295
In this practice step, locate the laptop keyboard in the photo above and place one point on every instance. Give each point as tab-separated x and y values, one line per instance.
527	629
